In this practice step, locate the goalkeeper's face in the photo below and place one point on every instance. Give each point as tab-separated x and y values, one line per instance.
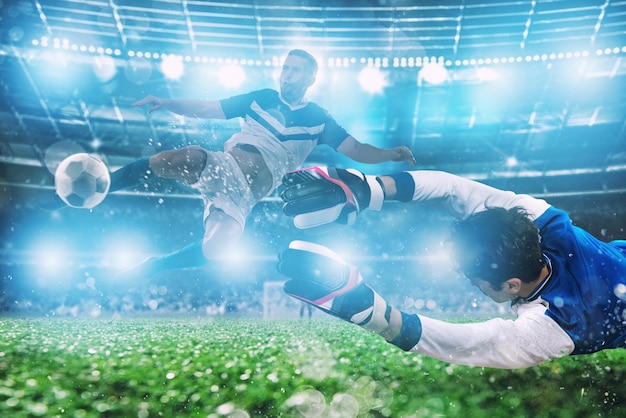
507	292
467	262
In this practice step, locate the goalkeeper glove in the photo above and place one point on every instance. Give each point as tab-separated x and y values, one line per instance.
319	195
321	278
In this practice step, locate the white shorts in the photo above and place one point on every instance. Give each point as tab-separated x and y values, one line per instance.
223	185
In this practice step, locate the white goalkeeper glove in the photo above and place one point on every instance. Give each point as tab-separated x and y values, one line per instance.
321	278
320	195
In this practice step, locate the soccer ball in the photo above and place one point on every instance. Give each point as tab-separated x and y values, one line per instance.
82	180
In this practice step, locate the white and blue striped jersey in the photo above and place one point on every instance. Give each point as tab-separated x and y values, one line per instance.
284	135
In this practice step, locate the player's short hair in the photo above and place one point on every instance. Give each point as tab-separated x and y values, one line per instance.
310	59
498	244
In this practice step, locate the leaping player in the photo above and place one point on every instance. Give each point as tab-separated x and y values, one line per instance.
279	131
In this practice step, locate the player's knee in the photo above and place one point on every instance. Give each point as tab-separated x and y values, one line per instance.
216	247
184	164
207	251
221	233
161	163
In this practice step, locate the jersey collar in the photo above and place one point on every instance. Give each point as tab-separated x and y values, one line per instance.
303	103
535	293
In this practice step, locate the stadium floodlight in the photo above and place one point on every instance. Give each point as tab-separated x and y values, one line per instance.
432	73
122	258
104	67
232	76
50	260
511	162
172	66
372	80
124	251
486	74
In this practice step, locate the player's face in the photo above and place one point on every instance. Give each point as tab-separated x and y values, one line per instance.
295	79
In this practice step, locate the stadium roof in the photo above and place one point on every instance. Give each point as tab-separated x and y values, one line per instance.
551	118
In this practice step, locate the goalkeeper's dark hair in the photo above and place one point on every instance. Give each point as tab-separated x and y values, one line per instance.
310	59
497	244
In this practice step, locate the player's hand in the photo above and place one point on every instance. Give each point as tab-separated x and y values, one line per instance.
320	195
320	277
404	154
156	103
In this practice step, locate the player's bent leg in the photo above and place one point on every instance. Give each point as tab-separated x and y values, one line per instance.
221	233
187	257
131	175
51	202
184	164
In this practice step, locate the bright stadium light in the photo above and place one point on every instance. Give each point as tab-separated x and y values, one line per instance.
239	255
122	257
511	162
433	73
172	66
50	260
231	76
124	251
487	74
57	68
372	80
104	67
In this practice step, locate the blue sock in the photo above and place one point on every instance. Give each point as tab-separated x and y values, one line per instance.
131	175
186	257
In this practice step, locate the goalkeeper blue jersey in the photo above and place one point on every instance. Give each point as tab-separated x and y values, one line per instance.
586	287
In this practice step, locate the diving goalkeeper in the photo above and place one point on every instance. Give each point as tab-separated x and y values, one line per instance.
567	288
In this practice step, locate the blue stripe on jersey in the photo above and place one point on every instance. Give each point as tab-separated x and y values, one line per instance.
309	122
586	291
277	129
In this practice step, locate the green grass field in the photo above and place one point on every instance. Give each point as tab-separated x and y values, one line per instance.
253	368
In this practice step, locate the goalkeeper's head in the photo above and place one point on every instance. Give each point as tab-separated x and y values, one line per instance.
496	245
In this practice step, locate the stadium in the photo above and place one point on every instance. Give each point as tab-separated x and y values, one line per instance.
527	95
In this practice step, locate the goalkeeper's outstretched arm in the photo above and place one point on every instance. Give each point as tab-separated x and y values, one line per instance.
462	195
319	195
318	276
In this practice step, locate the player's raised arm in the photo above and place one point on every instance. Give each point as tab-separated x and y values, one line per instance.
205	109
369	154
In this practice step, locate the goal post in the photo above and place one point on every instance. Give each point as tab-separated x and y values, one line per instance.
278	305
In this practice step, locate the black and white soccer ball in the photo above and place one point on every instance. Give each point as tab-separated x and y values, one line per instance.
82	180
